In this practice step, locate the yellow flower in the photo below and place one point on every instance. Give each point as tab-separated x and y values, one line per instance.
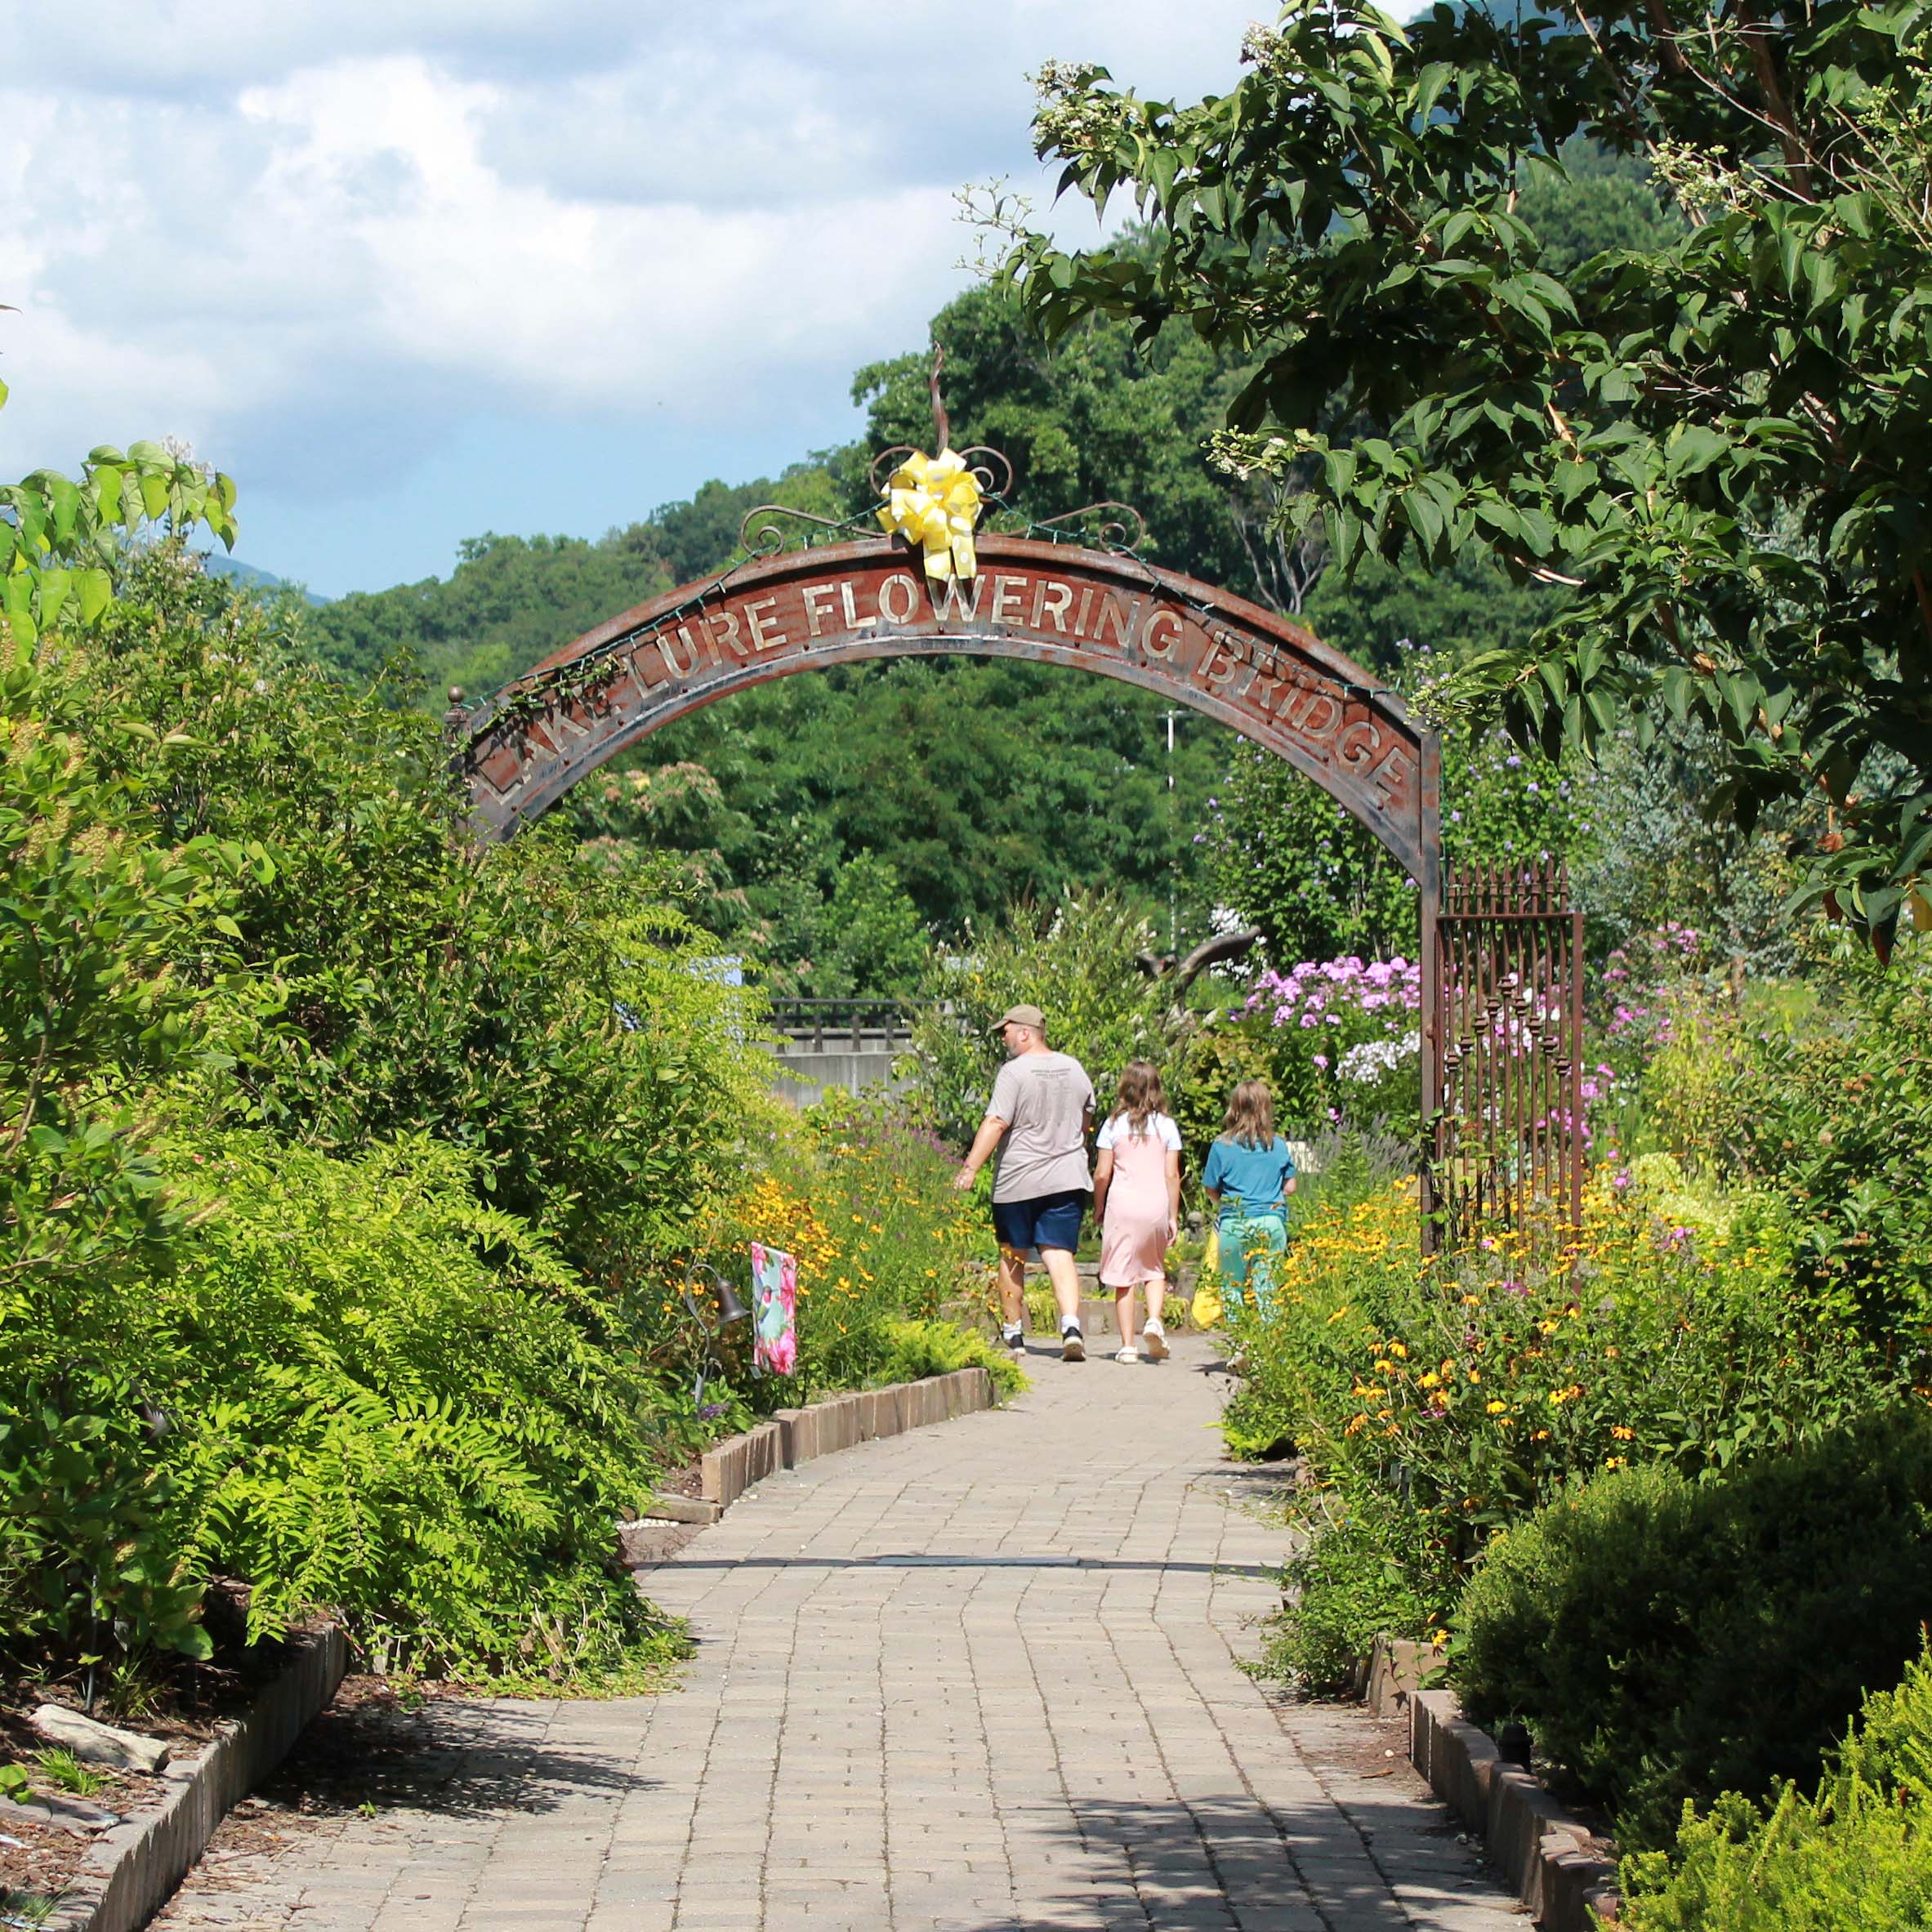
1622	1433
1496	1408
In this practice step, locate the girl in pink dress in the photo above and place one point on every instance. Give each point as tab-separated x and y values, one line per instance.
1137	1202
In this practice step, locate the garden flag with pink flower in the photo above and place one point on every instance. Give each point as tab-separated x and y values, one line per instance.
775	1310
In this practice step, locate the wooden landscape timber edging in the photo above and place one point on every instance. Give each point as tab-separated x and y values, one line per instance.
1547	1856
132	1869
796	1435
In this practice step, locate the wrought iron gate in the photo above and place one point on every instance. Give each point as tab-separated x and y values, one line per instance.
1506	1139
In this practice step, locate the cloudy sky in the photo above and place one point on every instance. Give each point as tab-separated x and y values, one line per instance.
413	270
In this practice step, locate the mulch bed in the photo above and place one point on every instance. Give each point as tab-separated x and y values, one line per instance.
182	1704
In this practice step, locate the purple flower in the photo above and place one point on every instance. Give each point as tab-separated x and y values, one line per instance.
1513	762
1514	1287
709	1412
1321	1059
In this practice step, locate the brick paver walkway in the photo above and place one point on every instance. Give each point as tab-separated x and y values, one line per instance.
981	1677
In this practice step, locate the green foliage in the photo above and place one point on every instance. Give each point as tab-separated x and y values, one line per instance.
1077	959
1634	1624
1388	618
1344	1592
397	1403
975	782
1804	1867
59	539
340	1163
1658	853
1288	859
62	1767
1837	1112
921	1348
1710	434
83	1551
544	1006
1320	885
1851	1856
873	943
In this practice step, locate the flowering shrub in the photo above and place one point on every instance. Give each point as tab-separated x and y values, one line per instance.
1440	1401
864	1200
1341	1038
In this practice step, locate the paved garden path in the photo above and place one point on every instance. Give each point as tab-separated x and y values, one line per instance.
979	1676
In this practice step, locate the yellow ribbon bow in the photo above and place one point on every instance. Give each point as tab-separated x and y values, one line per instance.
934	501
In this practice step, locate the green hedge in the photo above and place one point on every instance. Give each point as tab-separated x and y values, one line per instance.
1665	1640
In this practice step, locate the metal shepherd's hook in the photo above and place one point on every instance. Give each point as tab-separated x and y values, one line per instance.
941	428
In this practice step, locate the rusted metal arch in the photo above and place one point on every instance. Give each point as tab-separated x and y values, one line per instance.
1109	613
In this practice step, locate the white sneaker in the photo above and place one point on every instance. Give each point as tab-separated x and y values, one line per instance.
1073	1344
1154	1338
1126	1354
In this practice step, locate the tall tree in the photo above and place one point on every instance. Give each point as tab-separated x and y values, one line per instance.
1713	435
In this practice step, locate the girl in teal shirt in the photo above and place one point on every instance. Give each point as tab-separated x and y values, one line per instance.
1249	1175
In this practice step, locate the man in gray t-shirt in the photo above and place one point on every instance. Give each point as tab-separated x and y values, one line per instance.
1038	1117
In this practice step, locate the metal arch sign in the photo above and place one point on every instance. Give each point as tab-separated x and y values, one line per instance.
1263	676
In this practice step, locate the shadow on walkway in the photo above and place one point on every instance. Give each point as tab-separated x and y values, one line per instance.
378	1754
920	1559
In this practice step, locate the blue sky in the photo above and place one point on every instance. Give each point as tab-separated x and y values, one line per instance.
414	270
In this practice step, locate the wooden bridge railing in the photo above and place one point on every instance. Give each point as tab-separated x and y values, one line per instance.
853	1025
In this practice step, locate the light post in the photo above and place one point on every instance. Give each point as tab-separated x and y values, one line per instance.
1173	851
722	1309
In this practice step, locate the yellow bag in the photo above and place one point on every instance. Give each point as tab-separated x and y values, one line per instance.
1205	1310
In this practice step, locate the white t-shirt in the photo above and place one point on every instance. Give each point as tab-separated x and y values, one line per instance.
1121	1127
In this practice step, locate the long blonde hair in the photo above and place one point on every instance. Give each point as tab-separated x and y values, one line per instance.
1250	1115
1140	1095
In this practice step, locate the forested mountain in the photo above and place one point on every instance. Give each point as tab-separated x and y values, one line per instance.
968	783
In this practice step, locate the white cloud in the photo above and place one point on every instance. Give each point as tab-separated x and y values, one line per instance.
316	239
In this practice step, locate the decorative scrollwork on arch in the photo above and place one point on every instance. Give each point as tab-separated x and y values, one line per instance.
769	538
1114	531
996	483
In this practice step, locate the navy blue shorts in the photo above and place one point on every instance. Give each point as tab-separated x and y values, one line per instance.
1048	1220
